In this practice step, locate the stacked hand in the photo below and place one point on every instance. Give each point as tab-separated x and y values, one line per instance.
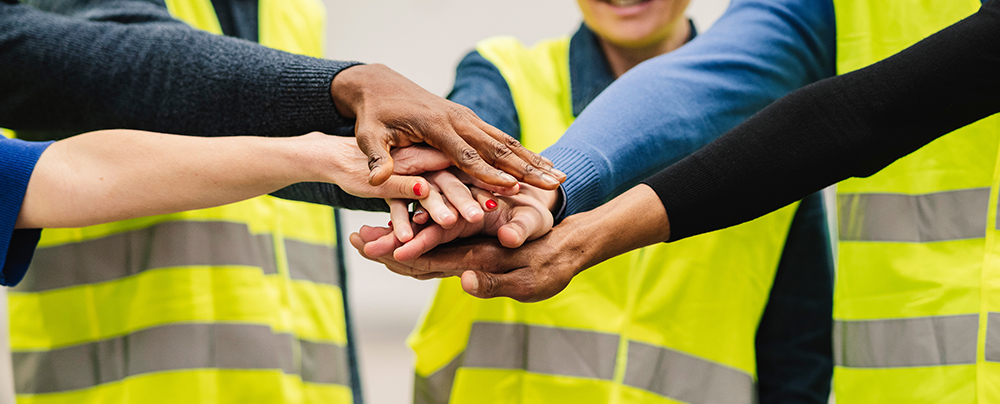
512	218
535	271
392	111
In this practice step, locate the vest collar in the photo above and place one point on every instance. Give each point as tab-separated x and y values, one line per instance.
589	72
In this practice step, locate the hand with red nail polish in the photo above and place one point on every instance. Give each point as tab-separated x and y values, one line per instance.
512	221
347	167
450	195
540	268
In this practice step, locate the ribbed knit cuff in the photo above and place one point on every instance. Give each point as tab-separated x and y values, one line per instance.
583	182
305	93
16	247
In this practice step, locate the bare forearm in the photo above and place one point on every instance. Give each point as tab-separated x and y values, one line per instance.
112	175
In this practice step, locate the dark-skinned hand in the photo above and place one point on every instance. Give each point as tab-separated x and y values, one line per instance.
392	111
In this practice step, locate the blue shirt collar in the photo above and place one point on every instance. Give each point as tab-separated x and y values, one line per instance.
589	72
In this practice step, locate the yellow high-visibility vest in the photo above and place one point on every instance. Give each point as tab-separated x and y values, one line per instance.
911	292
669	323
235	304
988	340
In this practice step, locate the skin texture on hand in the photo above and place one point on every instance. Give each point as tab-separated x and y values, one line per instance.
452	193
344	164
516	219
392	111
544	267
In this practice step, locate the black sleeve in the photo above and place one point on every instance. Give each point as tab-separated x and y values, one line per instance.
850	125
129	65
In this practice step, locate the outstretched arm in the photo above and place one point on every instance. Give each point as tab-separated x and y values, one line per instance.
128	64
668	107
119	174
850	125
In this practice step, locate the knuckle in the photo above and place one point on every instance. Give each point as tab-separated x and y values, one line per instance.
537	160
512	143
490	285
501	151
529	170
374	161
469	156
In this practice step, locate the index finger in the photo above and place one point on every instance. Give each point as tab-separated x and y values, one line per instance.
506	153
468	158
519	155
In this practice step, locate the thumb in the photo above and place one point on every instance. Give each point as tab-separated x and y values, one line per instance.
376	147
520	285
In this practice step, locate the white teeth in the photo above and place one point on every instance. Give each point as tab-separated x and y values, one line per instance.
624	3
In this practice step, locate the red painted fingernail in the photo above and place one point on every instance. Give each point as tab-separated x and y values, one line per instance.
390	223
490	204
416	189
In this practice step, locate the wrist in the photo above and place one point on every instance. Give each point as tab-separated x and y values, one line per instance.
317	157
347	88
579	241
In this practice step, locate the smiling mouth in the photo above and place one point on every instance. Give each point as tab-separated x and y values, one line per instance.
625	3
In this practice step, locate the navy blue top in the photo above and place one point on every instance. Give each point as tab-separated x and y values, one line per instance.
16	246
794	356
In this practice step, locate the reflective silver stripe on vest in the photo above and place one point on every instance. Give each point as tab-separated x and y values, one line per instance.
164	245
906	342
172	244
176	347
588	354
993	337
436	388
686	378
556	351
312	262
941	216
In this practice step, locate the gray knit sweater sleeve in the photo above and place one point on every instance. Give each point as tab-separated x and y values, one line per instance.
126	64
72	66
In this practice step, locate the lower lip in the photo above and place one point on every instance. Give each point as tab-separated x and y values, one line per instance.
629	11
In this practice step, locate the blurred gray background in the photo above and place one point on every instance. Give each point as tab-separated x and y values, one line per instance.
424	40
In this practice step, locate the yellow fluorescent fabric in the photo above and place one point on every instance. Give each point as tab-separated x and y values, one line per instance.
988	365
197	385
269	278
908	303
604	339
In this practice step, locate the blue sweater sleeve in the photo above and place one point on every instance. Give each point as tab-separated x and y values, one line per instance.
669	106
480	86
16	246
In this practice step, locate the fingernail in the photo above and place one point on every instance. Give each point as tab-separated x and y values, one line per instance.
475	283
491	205
548	179
557	172
507	177
416	189
390	224
472	211
445	215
